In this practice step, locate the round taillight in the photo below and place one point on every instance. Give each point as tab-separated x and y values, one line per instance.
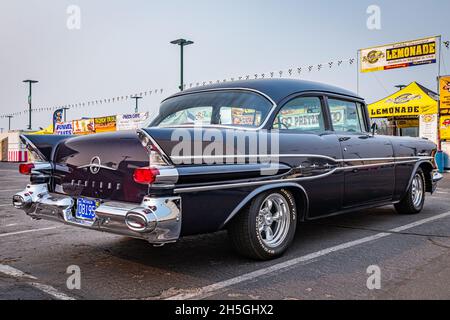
26	168
145	175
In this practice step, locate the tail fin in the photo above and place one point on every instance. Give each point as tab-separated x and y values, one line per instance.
42	146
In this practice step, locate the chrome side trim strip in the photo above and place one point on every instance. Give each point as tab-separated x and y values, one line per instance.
252	156
259	183
249	184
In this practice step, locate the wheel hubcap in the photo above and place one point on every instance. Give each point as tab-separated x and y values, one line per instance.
417	191
273	220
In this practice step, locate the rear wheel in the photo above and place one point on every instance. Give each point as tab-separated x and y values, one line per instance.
266	228
415	197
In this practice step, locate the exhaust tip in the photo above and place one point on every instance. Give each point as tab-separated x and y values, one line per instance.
139	223
18	202
21	201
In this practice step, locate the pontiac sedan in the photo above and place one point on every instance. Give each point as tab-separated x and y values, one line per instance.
254	158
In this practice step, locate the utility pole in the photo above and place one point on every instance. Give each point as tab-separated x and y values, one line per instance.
182	43
136	108
30	82
9	122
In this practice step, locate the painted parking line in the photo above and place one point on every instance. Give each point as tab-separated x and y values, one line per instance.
13	272
203	292
5	205
26	231
9	225
16	273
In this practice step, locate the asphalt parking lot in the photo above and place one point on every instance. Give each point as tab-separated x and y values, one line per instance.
328	260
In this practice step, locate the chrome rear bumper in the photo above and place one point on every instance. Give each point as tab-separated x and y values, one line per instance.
157	220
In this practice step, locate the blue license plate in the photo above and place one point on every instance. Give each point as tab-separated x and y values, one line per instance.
86	209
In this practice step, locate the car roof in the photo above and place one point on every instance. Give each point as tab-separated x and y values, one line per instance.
276	89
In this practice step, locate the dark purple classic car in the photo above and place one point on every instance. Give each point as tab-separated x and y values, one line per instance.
251	157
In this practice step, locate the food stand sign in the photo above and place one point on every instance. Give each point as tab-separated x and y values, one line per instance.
445	127
411	101
428	127
444	84
131	121
399	55
83	126
64	128
105	124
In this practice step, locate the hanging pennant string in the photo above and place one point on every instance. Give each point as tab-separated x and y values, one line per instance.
80	105
289	72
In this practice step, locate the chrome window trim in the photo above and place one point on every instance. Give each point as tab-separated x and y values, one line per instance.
266	120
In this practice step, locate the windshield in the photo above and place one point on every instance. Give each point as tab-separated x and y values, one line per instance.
228	108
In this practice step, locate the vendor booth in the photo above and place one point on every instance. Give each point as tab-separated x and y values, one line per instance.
412	111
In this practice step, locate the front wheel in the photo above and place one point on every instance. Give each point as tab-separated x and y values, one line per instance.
415	197
266	228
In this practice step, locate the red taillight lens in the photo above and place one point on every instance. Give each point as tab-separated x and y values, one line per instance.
145	175
25	168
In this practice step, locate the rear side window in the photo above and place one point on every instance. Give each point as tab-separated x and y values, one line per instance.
301	114
195	115
346	116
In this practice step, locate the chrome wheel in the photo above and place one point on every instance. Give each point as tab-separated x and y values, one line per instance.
273	220
417	191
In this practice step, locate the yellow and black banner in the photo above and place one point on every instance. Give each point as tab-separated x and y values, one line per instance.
399	55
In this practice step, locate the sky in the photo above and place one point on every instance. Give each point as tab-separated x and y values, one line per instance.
122	48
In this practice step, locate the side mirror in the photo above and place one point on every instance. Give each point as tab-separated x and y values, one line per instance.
374	128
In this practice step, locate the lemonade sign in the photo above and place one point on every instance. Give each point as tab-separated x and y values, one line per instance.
399	55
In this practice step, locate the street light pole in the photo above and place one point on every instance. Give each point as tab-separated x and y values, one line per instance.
136	108
182	43
400	87
9	122
30	82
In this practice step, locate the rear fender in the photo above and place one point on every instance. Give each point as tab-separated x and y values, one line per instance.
300	192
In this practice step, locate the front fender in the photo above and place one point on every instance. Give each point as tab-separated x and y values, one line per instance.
262	189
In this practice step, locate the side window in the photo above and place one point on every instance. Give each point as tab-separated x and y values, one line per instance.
301	114
347	116
196	115
240	116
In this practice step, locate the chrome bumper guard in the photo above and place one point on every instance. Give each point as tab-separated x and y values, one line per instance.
157	220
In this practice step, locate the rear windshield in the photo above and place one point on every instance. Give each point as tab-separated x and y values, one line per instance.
228	108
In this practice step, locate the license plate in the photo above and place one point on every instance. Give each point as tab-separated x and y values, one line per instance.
86	209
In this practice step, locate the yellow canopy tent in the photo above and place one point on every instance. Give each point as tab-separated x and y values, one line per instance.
48	130
413	100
